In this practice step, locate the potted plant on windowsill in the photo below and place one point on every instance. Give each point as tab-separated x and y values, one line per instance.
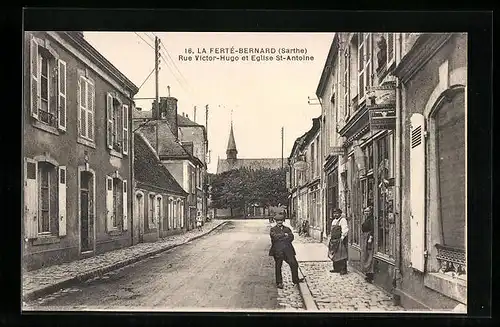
117	146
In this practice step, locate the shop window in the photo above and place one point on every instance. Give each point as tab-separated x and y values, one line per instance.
385	198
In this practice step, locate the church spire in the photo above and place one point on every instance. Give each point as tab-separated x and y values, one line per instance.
231	151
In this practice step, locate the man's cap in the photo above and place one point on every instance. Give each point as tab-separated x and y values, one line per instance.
279	216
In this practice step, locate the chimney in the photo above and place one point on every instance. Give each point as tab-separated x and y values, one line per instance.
188	146
168	106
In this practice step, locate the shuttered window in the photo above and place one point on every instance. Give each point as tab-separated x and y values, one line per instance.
417	189
391	48
86	104
61	88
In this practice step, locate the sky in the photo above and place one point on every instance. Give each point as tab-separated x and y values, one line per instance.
261	97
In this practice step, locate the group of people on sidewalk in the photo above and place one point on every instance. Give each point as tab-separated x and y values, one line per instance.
283	250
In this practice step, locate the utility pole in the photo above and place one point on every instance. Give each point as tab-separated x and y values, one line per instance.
194	115
282	145
157	61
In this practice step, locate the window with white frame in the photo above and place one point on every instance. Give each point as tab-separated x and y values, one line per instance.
159	208
364	63
47	85
346	82
117	128
86	103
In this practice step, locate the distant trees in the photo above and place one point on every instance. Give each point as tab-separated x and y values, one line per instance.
238	188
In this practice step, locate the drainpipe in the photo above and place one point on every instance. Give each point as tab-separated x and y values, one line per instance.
397	192
132	177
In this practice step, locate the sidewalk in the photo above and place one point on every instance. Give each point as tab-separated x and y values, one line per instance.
325	291
47	280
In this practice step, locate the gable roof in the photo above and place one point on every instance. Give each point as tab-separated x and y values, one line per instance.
185	121
269	163
149	170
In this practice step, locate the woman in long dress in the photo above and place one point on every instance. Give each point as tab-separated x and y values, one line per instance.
337	248
367	244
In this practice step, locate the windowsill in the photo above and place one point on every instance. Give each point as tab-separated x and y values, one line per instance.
385	258
45	127
46	239
115	153
453	287
86	142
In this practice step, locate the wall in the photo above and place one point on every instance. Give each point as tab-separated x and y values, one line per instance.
417	93
65	150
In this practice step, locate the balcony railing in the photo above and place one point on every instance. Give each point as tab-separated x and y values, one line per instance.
47	117
451	260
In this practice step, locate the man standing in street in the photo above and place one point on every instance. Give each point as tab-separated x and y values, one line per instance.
283	250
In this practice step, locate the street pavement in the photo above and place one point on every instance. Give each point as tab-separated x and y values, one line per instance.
52	277
335	293
228	269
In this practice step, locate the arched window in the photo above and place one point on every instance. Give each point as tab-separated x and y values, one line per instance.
159	209
449	120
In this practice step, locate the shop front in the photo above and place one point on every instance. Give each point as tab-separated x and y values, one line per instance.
368	181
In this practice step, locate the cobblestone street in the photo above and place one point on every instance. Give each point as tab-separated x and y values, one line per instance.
332	292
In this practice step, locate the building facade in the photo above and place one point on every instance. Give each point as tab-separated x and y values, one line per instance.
393	108
433	77
77	151
161	129
305	180
159	201
191	132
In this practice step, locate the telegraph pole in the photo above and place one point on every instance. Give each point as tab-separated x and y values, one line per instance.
157	61
282	145
194	115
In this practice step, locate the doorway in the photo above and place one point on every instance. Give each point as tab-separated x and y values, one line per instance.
86	211
139	200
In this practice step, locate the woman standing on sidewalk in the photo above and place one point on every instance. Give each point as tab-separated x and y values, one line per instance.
337	248
367	244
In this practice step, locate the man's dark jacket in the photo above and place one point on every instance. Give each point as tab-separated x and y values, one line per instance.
281	244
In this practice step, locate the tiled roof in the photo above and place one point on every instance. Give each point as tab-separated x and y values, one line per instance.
141	114
184	121
271	163
148	169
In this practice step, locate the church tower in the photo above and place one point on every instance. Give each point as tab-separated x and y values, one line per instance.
231	152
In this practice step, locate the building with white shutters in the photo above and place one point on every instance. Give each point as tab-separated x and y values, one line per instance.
393	125
77	150
433	78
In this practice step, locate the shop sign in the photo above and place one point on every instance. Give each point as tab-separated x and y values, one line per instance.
382	118
337	151
382	106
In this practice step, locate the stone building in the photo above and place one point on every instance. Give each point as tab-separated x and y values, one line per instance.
159	201
433	77
77	151
305	175
161	129
393	109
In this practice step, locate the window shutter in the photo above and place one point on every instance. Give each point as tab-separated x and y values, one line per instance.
125	206
79	104
361	66
61	90
109	203
417	188
34	80
90	110
30	198
109	115
125	129
62	200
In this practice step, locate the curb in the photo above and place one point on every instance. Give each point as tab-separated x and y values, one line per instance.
307	297
101	271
